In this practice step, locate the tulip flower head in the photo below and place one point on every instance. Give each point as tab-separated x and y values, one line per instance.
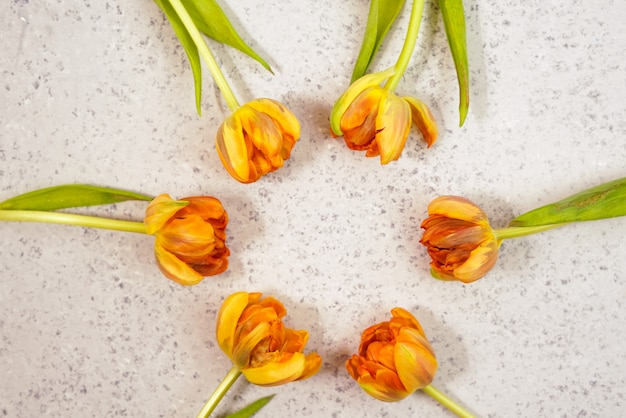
256	139
395	359
251	332
190	237
375	119
372	117
460	240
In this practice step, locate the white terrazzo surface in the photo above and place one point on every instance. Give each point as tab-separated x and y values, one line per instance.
101	93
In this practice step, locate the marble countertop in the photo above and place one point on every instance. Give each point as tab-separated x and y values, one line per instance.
101	93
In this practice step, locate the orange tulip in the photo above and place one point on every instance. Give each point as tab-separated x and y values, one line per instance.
190	237
256	139
395	359
460	241
251	333
375	119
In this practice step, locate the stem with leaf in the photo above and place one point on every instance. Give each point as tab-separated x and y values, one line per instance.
206	54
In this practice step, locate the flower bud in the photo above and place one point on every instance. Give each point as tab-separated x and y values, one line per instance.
251	332
395	359
374	119
256	139
190	237
459	239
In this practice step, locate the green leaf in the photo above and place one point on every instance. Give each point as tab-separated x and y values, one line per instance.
251	409
605	201
211	20
190	48
454	22
69	196
381	16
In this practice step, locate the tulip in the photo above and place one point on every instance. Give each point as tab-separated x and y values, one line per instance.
189	232
256	139
463	246
395	359
372	117
460	240
190	237
251	332
379	121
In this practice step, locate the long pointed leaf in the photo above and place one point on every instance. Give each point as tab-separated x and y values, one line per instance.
605	201
454	22
211	20
69	196
381	16
190	48
251	409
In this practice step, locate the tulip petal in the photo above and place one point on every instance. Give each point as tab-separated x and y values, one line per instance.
423	119
414	365
232	148
454	233
415	360
384	385
403	313
393	124
190	237
457	207
263	133
247	342
275	304
287	369
441	274
295	341
286	121
207	207
480	261
359	120
160	210
254	314
381	353
212	266
262	165
356	88
228	317
312	365
174	268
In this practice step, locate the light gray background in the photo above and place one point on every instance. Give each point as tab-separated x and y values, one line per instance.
101	93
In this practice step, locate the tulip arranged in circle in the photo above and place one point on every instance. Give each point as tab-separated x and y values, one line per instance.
394	359
256	139
251	332
190	237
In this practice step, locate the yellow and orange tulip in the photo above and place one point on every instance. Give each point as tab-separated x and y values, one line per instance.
190	237
251	332
395	359
256	139
375	119
459	239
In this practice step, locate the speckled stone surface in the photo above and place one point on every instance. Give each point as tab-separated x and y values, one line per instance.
101	93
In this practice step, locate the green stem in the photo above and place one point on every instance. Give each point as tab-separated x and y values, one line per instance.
409	44
219	393
440	397
205	52
71	219
522	231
